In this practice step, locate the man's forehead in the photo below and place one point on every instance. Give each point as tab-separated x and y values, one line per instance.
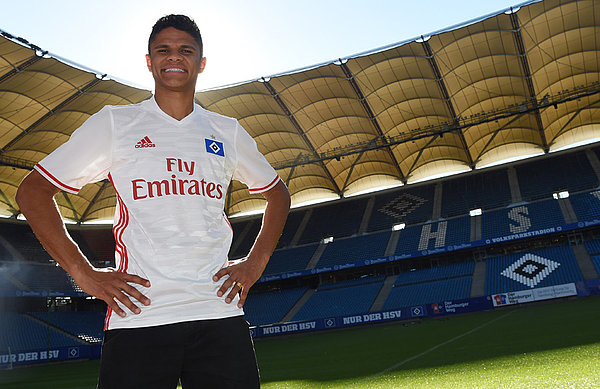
173	37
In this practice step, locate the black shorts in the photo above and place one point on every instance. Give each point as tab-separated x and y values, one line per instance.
202	354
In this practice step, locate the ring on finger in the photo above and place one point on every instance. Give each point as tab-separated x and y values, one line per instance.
239	285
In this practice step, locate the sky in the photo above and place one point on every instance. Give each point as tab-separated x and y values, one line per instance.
243	40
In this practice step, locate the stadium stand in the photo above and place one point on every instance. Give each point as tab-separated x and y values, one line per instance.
45	278
435	273
519	218
291	226
23	333
586	205
404	205
87	326
334	219
341	298
24	241
486	190
101	242
354	249
532	268
7	287
593	248
571	172
270	307
404	296
244	234
289	260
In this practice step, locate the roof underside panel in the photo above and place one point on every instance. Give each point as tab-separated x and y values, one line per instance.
517	83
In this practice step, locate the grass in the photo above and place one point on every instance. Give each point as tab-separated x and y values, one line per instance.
552	345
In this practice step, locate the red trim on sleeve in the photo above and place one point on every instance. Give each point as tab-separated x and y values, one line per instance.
55	180
265	188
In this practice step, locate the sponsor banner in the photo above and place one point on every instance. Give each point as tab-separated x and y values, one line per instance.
53	354
336	322
45	293
461	306
537	294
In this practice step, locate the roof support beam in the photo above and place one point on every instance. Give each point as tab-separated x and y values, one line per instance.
516	30
16	162
564	127
489	142
7	202
371	116
444	91
298	128
70	204
96	197
50	113
20	68
352	169
504	113
421	153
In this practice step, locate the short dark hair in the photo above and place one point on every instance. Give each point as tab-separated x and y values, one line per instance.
180	22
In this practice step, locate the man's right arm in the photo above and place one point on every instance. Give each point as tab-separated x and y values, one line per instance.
35	197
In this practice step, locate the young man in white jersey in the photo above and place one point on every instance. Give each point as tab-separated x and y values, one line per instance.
174	301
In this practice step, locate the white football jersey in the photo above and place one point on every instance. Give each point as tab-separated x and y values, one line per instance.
171	179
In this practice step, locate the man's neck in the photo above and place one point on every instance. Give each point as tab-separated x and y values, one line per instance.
175	104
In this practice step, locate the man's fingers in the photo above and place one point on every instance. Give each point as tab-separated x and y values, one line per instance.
136	279
136	294
243	296
122	297
237	287
225	287
220	274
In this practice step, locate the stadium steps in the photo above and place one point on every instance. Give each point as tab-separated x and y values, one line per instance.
475	230
57	329
238	240
513	182
385	290
299	304
437	201
11	249
588	270
316	256
392	243
567	210
594	162
478	280
367	216
301	228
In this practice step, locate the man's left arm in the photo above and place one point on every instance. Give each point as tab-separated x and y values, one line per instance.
243	274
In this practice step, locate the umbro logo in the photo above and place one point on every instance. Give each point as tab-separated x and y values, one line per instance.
145	142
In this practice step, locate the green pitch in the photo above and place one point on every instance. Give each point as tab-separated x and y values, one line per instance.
552	345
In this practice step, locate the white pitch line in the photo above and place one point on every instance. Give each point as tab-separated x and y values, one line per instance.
397	365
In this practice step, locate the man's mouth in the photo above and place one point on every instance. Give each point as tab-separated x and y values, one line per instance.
175	70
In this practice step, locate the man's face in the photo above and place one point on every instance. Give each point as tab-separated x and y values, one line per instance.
174	60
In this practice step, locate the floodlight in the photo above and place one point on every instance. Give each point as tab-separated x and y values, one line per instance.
475	212
398	227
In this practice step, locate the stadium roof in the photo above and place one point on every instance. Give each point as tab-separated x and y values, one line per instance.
522	82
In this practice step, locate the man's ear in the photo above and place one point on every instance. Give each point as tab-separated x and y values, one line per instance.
202	65
149	62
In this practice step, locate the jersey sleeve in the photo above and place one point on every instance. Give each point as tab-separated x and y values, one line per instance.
84	158
252	167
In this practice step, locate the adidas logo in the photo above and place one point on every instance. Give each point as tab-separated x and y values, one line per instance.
145	142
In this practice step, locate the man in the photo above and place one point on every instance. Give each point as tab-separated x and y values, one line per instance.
170	162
